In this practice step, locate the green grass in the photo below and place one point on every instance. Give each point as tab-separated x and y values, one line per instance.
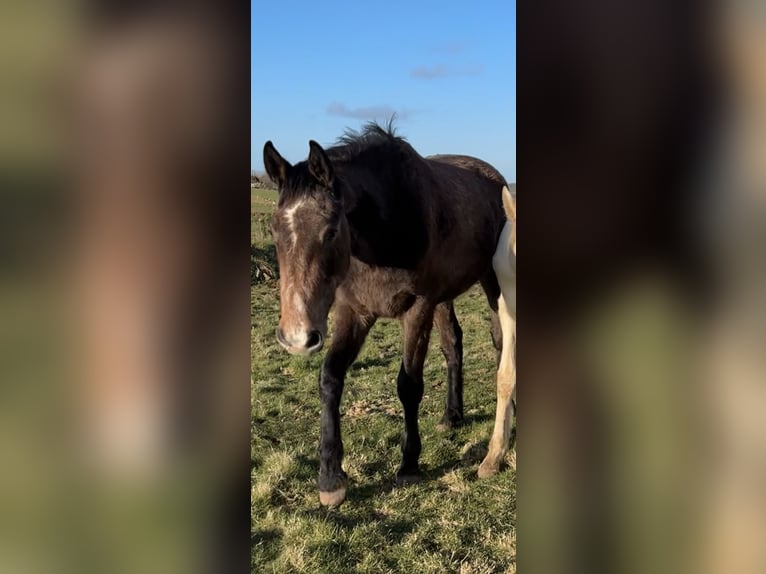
262	204
262	200
450	522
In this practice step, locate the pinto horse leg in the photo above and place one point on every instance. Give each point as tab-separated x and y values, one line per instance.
506	387
451	338
492	291
348	337
417	324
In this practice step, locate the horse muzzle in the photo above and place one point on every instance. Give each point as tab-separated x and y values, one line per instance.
304	344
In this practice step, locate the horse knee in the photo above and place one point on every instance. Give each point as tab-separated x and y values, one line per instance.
409	387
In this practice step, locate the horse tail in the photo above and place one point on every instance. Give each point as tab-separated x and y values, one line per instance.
509	204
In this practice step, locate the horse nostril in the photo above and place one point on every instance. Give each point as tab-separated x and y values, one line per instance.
314	340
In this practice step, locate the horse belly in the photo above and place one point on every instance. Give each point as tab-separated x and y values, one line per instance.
383	304
462	254
452	275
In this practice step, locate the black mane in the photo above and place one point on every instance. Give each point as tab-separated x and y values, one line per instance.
374	145
372	135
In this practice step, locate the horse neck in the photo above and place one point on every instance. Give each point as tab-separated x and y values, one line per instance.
383	233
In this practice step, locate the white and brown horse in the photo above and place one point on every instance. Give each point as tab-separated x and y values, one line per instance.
504	263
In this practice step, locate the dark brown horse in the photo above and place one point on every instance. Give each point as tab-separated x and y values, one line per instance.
380	231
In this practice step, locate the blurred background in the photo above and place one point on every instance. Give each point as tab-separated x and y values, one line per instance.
124	287
641	157
124	161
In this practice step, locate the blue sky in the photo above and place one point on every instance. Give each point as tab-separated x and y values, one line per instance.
447	68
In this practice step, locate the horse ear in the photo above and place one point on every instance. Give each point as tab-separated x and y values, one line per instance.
319	165
509	204
276	166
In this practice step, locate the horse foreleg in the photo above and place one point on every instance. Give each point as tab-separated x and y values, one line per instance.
417	324
349	334
506	386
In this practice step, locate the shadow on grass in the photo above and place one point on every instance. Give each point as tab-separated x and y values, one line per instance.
308	470
394	530
388	484
371	362
269	438
308	467
273	388
476	418
266	543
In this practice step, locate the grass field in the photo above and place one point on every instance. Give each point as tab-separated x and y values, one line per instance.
450	522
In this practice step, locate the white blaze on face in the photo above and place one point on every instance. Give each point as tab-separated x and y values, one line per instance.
290	217
299	331
298	304
296	323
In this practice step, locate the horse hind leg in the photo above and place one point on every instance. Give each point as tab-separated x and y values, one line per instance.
491	289
451	339
417	324
506	391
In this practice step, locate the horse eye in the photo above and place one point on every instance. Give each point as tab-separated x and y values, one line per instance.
330	234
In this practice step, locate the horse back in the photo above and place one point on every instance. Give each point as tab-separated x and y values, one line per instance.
466	219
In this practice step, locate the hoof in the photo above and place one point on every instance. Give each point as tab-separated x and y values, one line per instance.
446	425
334	498
407	479
486	469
